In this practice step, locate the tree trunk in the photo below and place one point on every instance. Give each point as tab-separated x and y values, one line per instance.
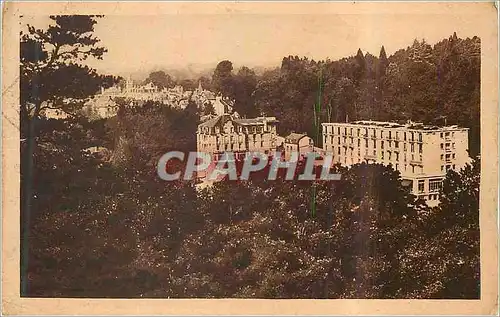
27	174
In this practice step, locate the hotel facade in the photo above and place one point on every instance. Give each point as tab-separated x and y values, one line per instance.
228	133
422	154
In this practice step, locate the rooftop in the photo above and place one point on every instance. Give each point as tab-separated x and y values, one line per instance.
395	125
294	137
253	121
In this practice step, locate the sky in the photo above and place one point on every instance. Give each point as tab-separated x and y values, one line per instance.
144	43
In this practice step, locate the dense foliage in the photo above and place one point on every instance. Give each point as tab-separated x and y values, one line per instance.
437	84
102	224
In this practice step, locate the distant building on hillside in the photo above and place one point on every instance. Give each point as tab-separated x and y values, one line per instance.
422	154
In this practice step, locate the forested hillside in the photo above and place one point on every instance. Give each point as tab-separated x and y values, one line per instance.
435	84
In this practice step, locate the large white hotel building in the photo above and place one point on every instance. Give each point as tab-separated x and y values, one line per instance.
422	154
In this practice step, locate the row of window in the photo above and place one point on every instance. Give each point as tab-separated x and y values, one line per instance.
447	134
446	168
448	156
390	154
390	143
435	185
231	146
405	167
447	145
231	138
373	132
238	129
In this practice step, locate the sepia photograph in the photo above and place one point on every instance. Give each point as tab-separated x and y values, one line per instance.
230	154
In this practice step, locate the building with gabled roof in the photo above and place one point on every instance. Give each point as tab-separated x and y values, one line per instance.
225	133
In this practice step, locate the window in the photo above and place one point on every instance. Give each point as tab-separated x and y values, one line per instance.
448	167
374	152
447	134
420	137
413	168
412	147
382	145
382	154
442	168
435	185
420	148
397	166
396	144
390	134
404	146
421	184
441	134
453	155
381	134
359	141
405	136
442	157
338	140
453	145
374	144
447	157
412	136
453	166
366	142
397	136
397	156
442	146
339	151
358	132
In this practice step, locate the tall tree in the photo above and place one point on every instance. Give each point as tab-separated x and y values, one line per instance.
245	83
160	79
222	79
53	76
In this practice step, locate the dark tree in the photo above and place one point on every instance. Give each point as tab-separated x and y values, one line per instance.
245	83
160	79
53	76
222	79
